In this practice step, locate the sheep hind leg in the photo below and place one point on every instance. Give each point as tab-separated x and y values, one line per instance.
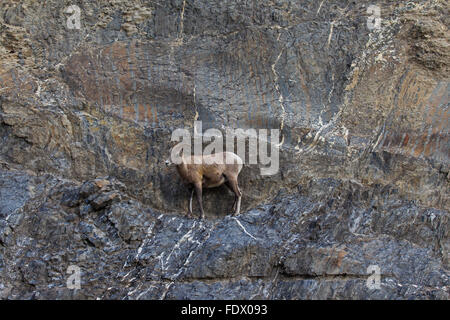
190	214
233	208
234	186
238	209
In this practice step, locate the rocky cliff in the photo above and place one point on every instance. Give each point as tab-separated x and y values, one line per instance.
89	97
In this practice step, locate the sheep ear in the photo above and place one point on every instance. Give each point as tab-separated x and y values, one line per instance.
183	155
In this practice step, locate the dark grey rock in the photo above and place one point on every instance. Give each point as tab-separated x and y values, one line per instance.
85	123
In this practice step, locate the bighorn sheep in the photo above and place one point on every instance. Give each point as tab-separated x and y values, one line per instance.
211	171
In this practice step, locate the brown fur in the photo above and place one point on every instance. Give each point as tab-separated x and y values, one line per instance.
212	174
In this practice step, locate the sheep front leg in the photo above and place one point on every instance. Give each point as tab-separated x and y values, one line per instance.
198	192
237	192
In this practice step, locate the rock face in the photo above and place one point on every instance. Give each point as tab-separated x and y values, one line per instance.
86	116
